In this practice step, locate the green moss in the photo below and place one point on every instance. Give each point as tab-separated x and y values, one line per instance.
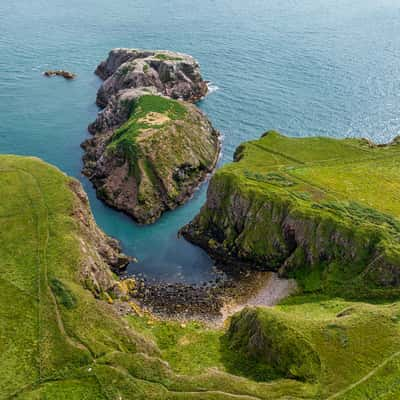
166	57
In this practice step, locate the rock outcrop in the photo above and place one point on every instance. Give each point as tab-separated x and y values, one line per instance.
60	72
172	74
307	207
149	151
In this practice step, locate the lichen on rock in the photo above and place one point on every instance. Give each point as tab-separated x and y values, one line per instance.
174	75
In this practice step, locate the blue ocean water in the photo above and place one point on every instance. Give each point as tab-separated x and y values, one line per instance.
305	67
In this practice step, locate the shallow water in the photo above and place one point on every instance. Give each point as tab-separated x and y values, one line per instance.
305	67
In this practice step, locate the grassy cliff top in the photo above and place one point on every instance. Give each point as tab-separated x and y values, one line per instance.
322	210
323	170
350	182
56	340
149	112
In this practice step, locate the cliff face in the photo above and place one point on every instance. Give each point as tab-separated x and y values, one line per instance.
149	151
101	254
308	207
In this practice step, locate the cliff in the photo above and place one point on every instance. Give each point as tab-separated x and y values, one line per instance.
322	210
149	151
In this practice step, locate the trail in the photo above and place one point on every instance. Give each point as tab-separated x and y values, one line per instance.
72	341
365	378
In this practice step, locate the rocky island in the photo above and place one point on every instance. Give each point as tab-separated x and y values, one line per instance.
310	208
151	147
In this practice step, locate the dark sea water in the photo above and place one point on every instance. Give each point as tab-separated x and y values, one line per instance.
305	67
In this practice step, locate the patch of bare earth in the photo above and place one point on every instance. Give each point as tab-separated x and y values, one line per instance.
154	118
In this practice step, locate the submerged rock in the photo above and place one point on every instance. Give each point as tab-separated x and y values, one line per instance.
149	151
311	206
65	74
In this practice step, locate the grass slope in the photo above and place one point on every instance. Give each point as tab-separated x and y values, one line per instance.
165	150
356	345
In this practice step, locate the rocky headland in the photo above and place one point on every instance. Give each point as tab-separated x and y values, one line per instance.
150	148
310	209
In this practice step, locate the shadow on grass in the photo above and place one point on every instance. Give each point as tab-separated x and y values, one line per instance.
237	363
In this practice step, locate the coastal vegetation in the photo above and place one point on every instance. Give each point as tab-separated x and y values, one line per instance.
61	339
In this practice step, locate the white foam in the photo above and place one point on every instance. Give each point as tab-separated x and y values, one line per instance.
212	87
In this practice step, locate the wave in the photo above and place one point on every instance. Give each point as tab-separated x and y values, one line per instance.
212	87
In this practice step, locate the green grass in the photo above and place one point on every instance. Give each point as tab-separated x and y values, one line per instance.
163	139
328	345
57	341
339	199
124	139
166	57
189	348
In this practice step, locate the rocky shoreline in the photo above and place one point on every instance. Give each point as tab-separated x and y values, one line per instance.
211	302
150	148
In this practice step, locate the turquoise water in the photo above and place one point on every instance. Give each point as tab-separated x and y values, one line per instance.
306	67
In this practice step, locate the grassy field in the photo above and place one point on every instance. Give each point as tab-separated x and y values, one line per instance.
58	342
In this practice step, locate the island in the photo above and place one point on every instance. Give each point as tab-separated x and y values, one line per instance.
151	148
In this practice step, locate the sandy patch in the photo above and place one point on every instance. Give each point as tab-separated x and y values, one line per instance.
153	118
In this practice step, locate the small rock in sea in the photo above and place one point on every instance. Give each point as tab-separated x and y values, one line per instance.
64	74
